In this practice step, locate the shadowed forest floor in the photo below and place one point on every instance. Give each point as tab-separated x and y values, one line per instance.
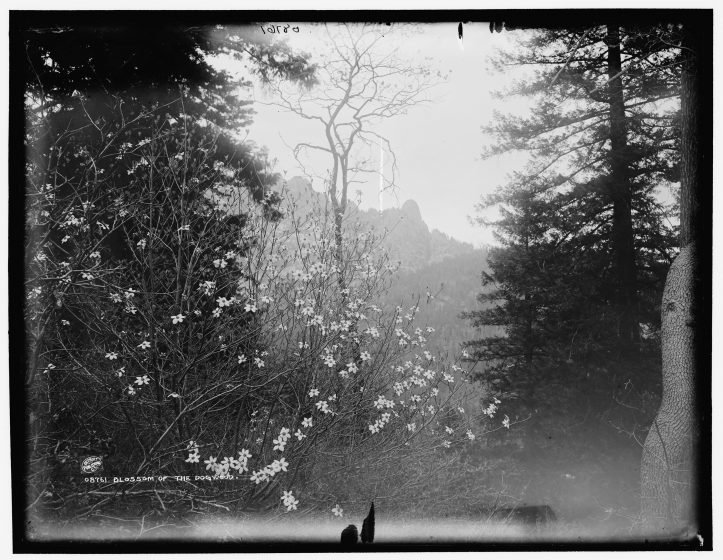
590	480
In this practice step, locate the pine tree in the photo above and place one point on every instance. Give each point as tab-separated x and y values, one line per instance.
602	132
586	241
105	79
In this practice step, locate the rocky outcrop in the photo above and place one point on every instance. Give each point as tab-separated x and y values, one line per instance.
406	236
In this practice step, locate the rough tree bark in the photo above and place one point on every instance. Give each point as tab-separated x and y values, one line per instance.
667	474
669	477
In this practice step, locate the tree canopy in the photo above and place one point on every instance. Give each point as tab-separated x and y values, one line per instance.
587	228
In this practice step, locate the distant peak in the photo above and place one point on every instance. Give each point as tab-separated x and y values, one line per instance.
298	183
411	209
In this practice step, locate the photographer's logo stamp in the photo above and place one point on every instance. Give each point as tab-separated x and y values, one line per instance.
91	464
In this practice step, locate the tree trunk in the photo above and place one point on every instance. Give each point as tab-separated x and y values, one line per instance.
670	480
620	192
667	473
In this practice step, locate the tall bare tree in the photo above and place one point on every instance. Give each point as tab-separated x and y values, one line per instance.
362	80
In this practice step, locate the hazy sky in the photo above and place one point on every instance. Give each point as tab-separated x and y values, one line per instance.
437	145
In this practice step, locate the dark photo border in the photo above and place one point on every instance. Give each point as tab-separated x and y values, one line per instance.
20	20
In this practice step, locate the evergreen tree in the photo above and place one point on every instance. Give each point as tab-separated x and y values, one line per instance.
585	239
104	79
602	132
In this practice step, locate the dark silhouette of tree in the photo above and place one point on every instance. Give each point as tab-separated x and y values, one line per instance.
585	242
601	138
80	73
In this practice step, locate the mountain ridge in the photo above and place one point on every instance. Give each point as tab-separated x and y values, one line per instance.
407	237
438	272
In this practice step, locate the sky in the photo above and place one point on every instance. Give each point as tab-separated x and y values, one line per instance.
437	145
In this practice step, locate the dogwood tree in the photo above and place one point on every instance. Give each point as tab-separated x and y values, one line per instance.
190	330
